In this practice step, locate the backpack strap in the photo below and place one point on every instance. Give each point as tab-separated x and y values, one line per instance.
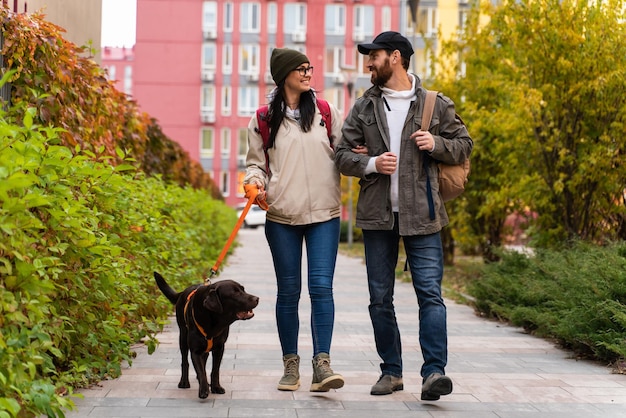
427	114
264	128
324	108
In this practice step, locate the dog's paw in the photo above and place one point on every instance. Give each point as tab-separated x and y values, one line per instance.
218	389
184	384
203	393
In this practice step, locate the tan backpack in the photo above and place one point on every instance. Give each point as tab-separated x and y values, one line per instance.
452	178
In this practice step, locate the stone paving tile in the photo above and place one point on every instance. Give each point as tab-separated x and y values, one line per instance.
498	371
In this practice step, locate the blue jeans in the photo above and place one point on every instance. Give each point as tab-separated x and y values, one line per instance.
322	241
425	258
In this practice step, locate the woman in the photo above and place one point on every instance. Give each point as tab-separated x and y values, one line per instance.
301	186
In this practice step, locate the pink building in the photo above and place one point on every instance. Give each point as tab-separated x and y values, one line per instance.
201	68
119	65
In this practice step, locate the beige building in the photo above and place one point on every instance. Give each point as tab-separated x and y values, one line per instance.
82	19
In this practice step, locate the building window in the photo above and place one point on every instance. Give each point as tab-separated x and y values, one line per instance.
385	18
242	147
128	79
272	17
227	58
225	145
206	145
363	21
228	17
111	72
426	21
209	15
225	186
335	60
335	19
360	62
249	59
423	61
241	174
208	98
295	18
250	18
209	55
227	100
335	95
248	100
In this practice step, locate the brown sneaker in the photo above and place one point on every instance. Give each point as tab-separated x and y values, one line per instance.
324	378
291	376
435	386
387	384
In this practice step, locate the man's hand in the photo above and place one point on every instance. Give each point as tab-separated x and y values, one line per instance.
360	149
424	140
386	163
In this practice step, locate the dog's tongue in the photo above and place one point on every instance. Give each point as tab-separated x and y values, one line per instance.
245	315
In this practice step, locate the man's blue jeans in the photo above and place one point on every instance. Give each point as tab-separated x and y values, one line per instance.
425	258
322	241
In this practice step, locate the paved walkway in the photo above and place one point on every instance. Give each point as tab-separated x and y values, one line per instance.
498	371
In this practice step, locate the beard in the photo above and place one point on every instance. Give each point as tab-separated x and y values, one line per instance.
382	74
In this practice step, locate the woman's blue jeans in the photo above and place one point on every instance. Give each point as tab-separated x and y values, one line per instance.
322	241
425	258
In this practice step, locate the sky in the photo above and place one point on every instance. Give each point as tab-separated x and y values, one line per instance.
118	22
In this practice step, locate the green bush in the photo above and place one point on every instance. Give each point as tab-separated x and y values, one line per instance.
357	233
80	239
577	296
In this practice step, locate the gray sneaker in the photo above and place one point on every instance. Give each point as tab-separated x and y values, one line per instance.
435	386
386	385
291	377
324	378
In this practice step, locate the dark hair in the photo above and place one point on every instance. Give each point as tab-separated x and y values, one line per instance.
406	62
276	115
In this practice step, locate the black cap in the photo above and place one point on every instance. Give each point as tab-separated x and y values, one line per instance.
389	40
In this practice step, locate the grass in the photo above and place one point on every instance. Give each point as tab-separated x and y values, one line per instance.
455	278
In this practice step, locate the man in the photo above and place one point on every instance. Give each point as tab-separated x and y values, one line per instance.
399	197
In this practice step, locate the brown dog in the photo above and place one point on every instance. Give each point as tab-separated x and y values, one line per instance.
204	314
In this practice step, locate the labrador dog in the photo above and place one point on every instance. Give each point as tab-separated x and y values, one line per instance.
204	314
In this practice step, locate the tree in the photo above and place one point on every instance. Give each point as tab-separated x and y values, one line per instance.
544	96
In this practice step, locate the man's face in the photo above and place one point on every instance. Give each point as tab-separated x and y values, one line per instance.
379	65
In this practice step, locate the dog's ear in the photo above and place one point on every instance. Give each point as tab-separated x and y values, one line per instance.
212	302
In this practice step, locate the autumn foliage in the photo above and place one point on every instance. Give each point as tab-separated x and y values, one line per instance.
70	91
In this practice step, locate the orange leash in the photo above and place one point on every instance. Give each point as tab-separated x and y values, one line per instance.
252	191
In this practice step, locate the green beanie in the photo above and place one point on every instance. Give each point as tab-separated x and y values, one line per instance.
285	60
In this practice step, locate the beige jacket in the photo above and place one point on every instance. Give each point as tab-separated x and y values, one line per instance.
303	186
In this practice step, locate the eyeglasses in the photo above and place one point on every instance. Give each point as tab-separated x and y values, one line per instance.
304	70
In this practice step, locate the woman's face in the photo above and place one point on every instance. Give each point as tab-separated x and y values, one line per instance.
299	80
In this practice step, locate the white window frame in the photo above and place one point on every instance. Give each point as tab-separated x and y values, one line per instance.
209	55
207	98
253	63
297	23
208	152
225	142
338	60
209	15
227	100
335	19
242	145
229	12
364	24
248	100
227	58
225	183
250	17
272	17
